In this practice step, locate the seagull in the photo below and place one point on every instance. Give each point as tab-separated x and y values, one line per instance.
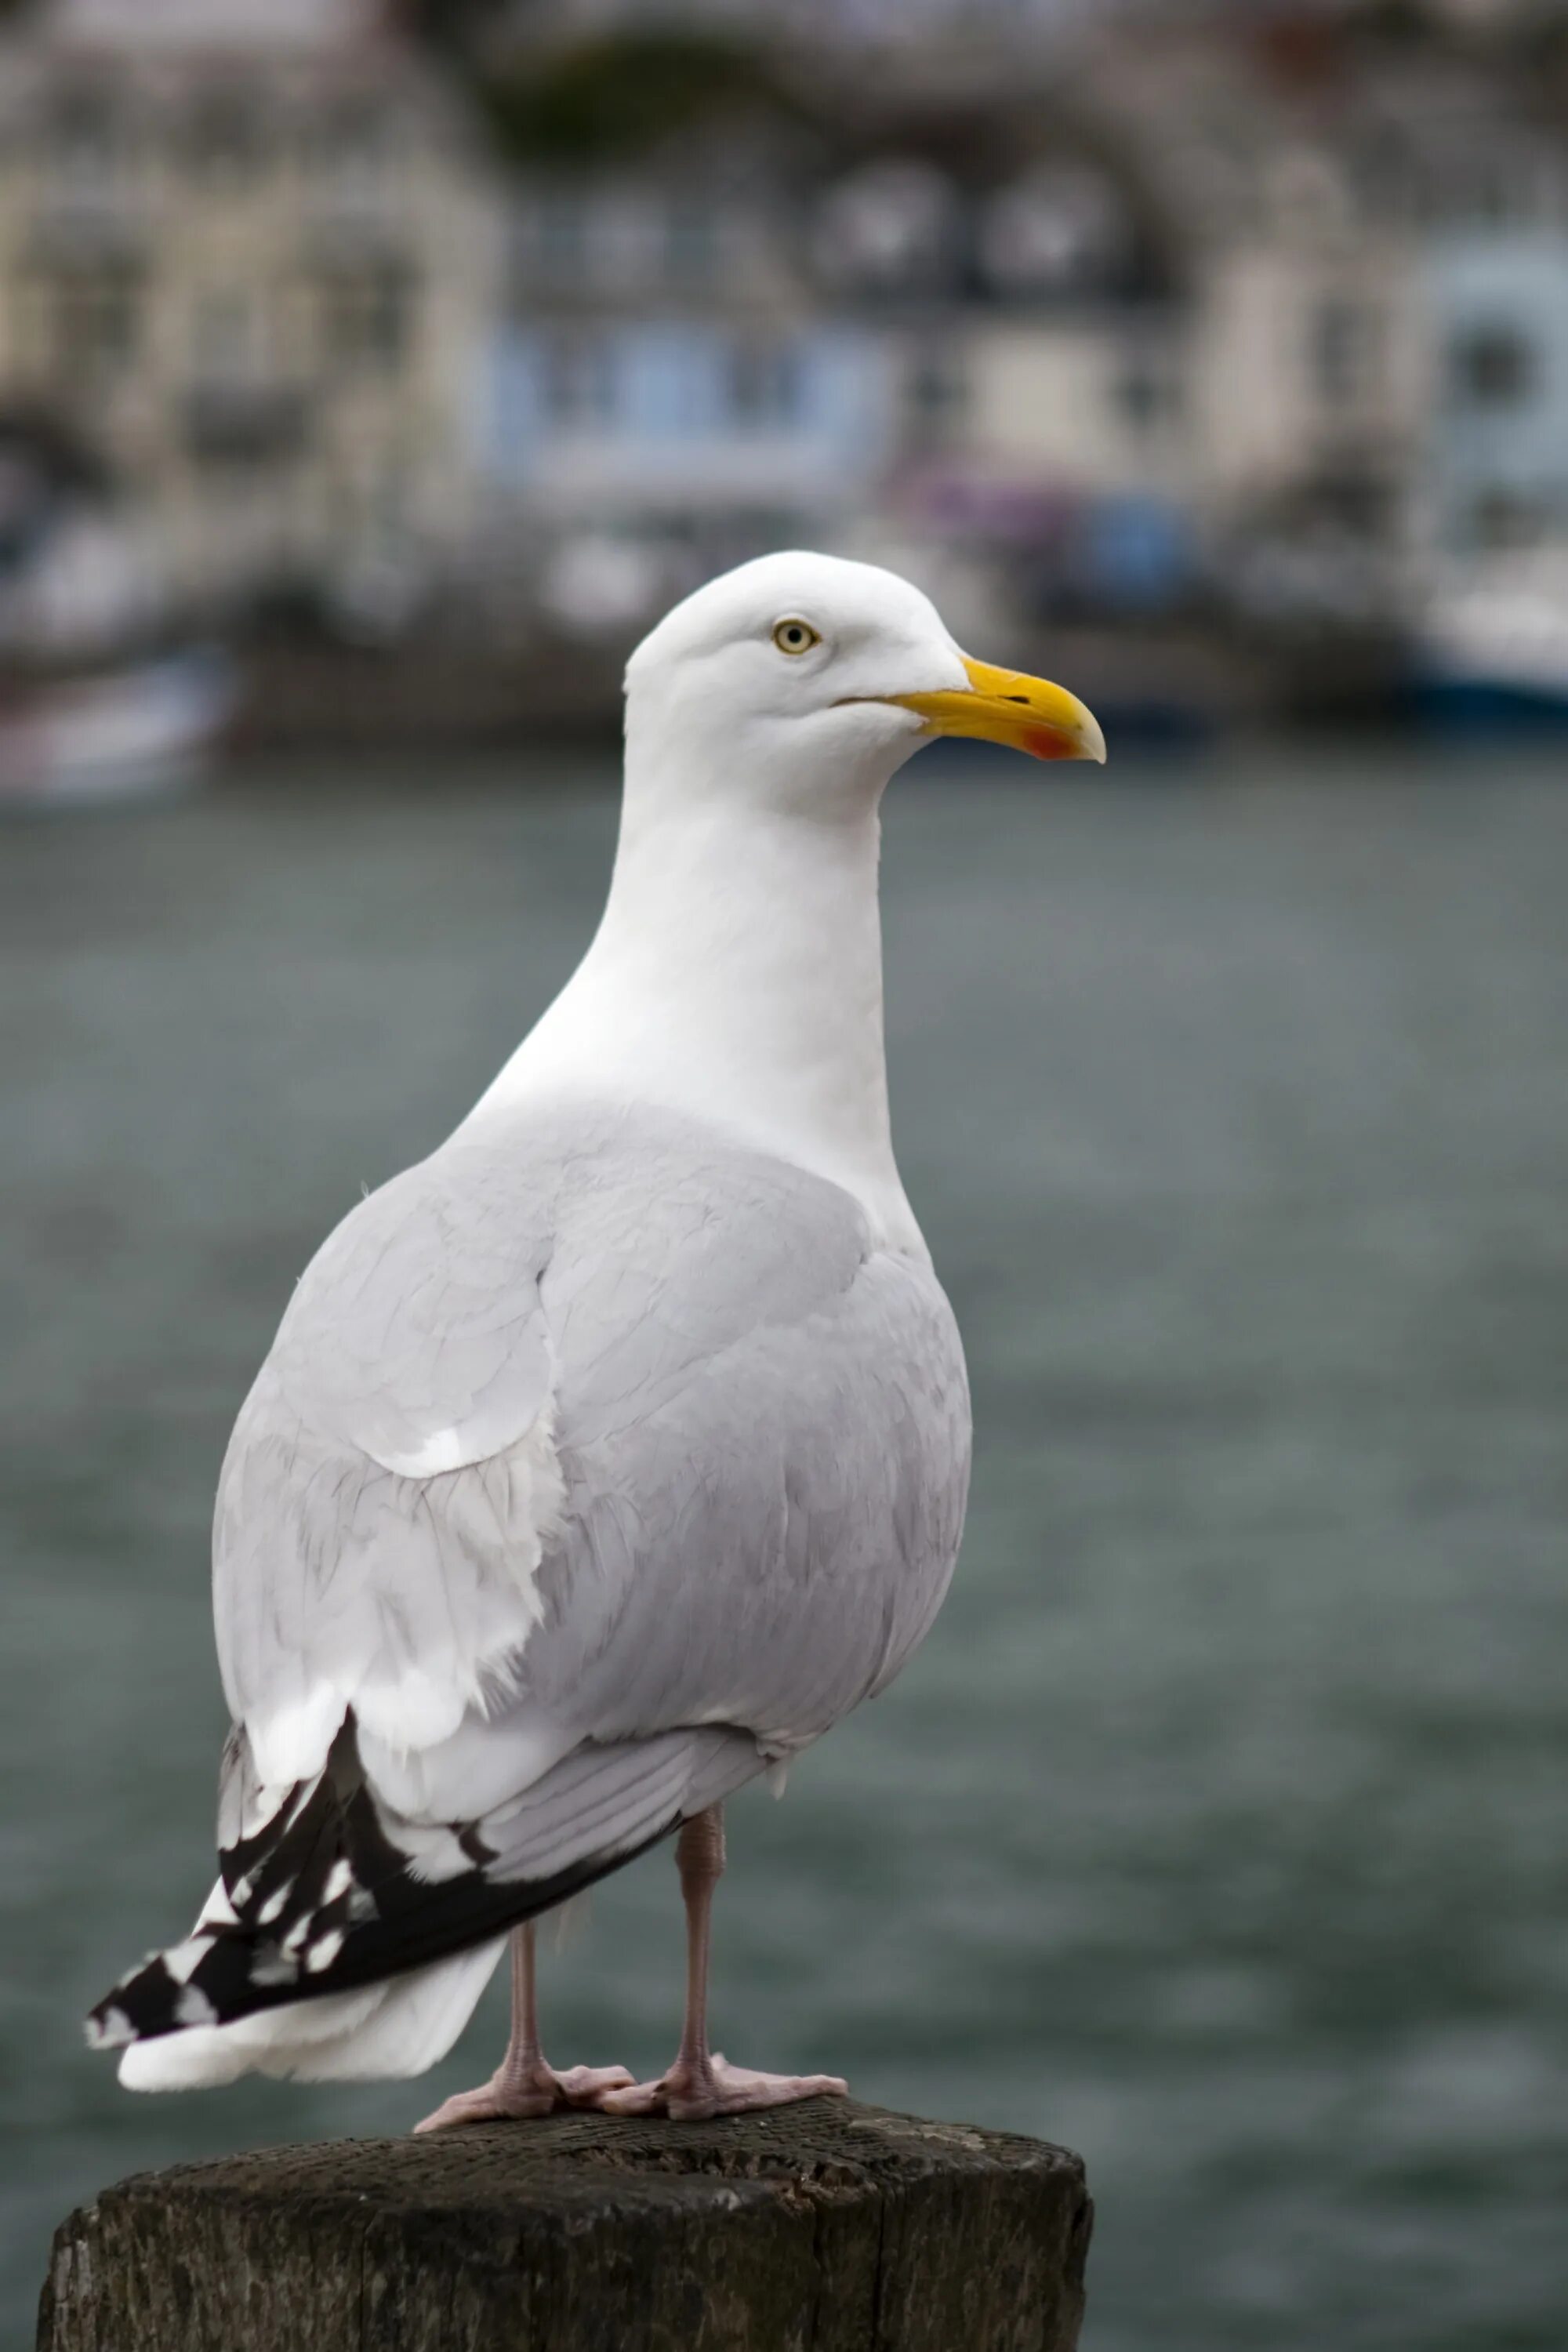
609	1457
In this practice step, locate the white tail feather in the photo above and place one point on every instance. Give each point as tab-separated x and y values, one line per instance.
399	2027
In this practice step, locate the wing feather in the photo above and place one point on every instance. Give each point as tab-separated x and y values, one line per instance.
713	1412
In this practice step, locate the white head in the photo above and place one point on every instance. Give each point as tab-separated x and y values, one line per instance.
805	680
737	974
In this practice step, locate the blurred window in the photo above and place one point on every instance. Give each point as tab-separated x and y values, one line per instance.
1492	366
1345	349
223	143
579	380
889	228
1500	191
224	342
1148	392
1310	192
367	316
356	150
1056	232
561	237
691	240
764	386
94	322
1503	517
85	150
1385	183
244	425
1342	503
936	390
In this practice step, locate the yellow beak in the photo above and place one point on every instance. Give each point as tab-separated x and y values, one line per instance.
1006	706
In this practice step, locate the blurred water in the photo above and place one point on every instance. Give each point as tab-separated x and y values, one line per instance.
1219	1830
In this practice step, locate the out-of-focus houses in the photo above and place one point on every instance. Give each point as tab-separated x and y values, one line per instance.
1136	295
1029	303
247	253
925	323
1181	338
1302	386
831	26
667	378
1246	324
1494	290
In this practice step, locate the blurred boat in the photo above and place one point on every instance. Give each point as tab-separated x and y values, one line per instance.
142	729
1494	646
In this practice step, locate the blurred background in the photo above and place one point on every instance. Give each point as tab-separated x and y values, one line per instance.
381	368
369	377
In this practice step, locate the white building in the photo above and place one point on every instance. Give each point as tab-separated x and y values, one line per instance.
248	250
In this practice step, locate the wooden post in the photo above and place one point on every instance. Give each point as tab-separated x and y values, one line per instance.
826	2227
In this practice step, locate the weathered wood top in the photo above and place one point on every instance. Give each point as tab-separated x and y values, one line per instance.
825	2227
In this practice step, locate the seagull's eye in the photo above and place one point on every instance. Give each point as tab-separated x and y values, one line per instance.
795	637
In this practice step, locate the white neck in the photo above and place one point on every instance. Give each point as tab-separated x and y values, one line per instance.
736	975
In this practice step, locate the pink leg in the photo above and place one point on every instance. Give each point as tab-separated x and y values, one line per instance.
702	2081
522	2084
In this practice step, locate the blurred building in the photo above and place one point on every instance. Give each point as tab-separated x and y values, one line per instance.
1240	321
937	322
667	374
1494	289
835	24
1499	433
1307	351
1172	338
247	252
1036	302
1302	383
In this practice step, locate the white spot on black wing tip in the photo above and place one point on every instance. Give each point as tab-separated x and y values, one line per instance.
217	1911
181	1961
324	1951
193	2008
108	2028
271	1966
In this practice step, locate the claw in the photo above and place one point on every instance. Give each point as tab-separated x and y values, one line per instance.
511	2096
690	2092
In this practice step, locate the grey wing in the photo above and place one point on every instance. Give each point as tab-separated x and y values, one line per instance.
776	1524
595	1465
381	1504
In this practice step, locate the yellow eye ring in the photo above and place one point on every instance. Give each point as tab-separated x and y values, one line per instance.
794	637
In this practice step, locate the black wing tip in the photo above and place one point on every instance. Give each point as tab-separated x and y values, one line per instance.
159	1997
321	1898
109	2026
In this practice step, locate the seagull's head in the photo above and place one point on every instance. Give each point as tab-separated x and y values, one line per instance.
806	679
